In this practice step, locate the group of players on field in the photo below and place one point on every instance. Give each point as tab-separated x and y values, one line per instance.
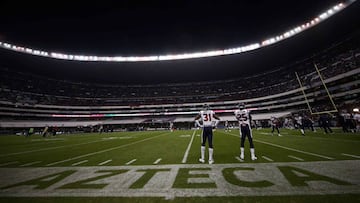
209	120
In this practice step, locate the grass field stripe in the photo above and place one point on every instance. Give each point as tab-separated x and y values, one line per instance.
58	147
157	161
32	163
324	138
9	163
238	158
50	148
186	154
105	162
80	162
267	158
297	158
291	149
130	162
351	155
106	150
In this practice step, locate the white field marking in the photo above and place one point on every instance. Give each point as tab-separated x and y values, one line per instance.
157	161
267	158
113	138
32	163
9	163
297	158
186	154
105	150
291	149
44	139
130	162
105	162
324	138
80	162
50	148
351	155
238	158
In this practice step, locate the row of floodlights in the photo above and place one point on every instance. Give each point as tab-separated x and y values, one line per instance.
237	50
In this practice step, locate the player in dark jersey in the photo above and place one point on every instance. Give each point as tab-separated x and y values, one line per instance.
275	123
244	118
208	121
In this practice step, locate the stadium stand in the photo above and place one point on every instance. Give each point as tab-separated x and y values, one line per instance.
35	101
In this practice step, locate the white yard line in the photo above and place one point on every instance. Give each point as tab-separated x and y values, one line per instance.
105	162
105	150
186	154
32	163
157	161
288	148
351	155
238	158
80	162
50	148
267	158
9	163
297	158
130	162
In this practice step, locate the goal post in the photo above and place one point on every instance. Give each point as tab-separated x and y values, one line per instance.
329	96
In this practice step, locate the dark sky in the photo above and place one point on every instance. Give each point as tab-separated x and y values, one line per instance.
161	27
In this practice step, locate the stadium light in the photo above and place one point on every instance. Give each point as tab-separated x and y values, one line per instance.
356	110
237	50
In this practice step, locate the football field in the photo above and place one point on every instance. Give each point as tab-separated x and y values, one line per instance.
162	166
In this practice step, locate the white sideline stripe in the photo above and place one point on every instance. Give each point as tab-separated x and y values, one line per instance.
78	163
8	163
186	154
157	161
297	158
267	158
32	163
105	162
288	148
105	150
351	155
238	158
130	162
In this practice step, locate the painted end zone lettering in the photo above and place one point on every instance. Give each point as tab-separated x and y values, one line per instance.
230	177
183	176
185	180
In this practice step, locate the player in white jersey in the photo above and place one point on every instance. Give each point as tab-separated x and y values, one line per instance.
300	122
208	121
244	118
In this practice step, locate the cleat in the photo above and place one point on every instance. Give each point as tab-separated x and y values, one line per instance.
279	135
241	156
211	161
201	160
253	158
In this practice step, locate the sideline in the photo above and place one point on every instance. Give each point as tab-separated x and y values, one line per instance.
188	148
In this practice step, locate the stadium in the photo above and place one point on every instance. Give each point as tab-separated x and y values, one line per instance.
95	109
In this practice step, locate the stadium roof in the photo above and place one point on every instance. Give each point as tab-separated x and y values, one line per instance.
132	28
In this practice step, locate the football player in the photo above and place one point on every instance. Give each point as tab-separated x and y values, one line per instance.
300	122
275	123
208	121
244	119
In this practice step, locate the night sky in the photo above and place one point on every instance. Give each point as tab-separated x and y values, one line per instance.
155	28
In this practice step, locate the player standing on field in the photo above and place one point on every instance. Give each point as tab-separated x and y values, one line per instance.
244	119
208	121
275	123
